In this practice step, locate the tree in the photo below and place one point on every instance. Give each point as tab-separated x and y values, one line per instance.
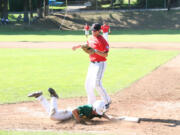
142	3
30	8
171	3
40	8
4	8
1	8
46	7
129	3
168	4
26	18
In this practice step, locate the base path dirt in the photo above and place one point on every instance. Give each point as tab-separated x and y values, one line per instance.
155	99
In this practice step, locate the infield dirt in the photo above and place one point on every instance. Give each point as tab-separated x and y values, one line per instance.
155	99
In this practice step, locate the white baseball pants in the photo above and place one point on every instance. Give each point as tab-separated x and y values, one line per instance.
105	35
86	32
52	109
94	81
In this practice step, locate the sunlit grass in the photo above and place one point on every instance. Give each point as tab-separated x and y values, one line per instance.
78	36
131	1
57	7
26	70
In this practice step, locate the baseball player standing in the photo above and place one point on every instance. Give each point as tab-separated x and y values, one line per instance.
105	30
86	30
100	49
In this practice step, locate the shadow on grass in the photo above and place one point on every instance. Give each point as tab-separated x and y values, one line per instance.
12	31
122	23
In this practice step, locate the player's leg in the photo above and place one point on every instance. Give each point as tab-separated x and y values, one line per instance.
52	108
56	114
86	33
39	96
89	84
99	87
44	103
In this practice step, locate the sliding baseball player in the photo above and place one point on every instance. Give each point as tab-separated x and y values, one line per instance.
81	114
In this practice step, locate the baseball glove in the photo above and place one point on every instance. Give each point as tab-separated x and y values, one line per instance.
87	49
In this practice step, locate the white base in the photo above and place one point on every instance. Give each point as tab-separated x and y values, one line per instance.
130	119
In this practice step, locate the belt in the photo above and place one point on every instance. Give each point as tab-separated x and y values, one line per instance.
96	61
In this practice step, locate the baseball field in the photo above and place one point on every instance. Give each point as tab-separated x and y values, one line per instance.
142	78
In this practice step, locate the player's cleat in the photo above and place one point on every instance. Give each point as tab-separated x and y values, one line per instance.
53	93
35	94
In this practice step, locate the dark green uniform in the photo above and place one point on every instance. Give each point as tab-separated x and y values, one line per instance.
85	111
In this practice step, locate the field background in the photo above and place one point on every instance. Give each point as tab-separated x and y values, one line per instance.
28	70
128	36
143	81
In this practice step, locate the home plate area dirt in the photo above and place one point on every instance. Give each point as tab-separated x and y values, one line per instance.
155	99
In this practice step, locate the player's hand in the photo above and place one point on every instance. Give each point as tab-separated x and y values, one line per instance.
82	121
76	47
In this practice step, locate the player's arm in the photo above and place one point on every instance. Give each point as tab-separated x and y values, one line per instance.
109	117
106	116
77	46
76	115
103	54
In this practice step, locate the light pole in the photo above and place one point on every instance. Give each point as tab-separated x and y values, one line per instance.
96	4
164	3
66	3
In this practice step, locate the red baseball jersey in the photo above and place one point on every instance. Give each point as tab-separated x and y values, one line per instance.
86	27
100	44
105	28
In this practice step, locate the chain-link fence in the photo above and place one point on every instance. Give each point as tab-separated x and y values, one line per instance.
17	5
121	4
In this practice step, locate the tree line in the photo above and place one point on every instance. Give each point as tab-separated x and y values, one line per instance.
42	8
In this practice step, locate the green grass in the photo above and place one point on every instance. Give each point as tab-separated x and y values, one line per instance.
78	36
40	133
131	2
13	16
57	7
26	70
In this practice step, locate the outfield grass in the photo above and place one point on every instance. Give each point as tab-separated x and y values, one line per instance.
27	70
78	36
